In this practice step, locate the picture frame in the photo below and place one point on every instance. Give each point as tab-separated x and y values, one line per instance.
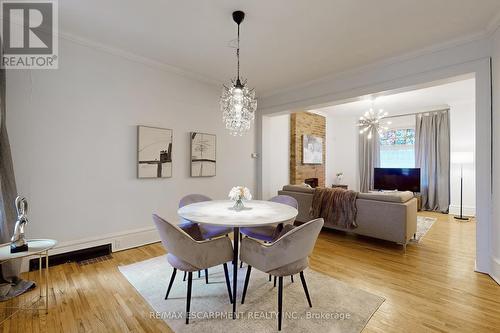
312	149
203	154
154	152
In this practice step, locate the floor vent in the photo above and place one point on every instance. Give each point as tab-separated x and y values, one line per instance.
79	256
95	260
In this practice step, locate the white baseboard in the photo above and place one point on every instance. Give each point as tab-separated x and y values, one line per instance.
119	241
466	210
495	269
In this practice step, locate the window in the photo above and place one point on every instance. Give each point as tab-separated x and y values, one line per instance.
397	148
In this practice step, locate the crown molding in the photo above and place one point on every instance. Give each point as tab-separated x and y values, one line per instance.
385	62
492	26
138	58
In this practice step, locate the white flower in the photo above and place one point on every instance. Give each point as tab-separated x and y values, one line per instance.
239	193
246	194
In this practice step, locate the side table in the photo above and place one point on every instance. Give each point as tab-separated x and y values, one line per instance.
419	201
36	247
345	187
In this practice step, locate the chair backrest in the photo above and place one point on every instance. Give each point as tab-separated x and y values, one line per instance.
299	242
286	200
173	238
192	198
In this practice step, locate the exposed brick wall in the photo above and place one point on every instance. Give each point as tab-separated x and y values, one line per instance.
305	123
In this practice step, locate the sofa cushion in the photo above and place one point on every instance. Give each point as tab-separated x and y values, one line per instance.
398	197
298	188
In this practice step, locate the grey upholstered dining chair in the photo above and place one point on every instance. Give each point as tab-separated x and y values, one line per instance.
207	231
266	233
189	255
285	256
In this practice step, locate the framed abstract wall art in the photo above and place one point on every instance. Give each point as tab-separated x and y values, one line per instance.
203	154
312	149
154	152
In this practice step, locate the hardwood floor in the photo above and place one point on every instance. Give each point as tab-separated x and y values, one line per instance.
433	287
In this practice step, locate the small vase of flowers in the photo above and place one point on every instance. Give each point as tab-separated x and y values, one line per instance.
238	194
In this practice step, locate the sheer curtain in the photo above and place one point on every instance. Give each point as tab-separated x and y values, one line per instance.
432	156
10	284
397	156
369	158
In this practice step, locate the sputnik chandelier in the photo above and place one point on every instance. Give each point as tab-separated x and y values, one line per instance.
238	103
370	122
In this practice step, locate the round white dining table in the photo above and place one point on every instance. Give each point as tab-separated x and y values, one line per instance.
256	213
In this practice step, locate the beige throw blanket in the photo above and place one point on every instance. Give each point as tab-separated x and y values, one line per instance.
336	206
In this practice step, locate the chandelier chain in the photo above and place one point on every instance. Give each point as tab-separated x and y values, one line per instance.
238	54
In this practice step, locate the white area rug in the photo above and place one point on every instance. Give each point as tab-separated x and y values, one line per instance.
424	224
337	307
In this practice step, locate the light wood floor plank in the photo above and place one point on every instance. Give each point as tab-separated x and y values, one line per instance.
430	288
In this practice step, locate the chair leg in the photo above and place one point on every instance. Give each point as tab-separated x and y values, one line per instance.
280	301
228	284
199	274
303	279
269	277
275	281
206	276
188	298
291	277
171	282
247	278
241	264
184	278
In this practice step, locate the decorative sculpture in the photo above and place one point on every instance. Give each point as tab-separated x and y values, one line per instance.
18	243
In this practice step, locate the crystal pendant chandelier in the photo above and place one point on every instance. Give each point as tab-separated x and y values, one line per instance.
370	122
238	103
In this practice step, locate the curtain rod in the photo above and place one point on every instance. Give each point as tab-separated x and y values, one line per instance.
416	113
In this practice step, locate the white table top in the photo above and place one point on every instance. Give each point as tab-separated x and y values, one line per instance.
35	246
256	213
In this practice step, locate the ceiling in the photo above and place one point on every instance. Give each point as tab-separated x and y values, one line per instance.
425	99
283	42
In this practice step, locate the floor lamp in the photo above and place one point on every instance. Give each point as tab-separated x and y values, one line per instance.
462	158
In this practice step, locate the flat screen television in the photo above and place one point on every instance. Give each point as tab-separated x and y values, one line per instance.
401	179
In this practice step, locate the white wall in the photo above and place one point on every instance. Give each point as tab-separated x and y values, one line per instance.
342	136
275	154
73	137
495	226
401	122
462	134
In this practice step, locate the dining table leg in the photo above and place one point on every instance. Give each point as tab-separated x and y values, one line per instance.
236	234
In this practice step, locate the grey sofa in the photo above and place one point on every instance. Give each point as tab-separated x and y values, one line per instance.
388	216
